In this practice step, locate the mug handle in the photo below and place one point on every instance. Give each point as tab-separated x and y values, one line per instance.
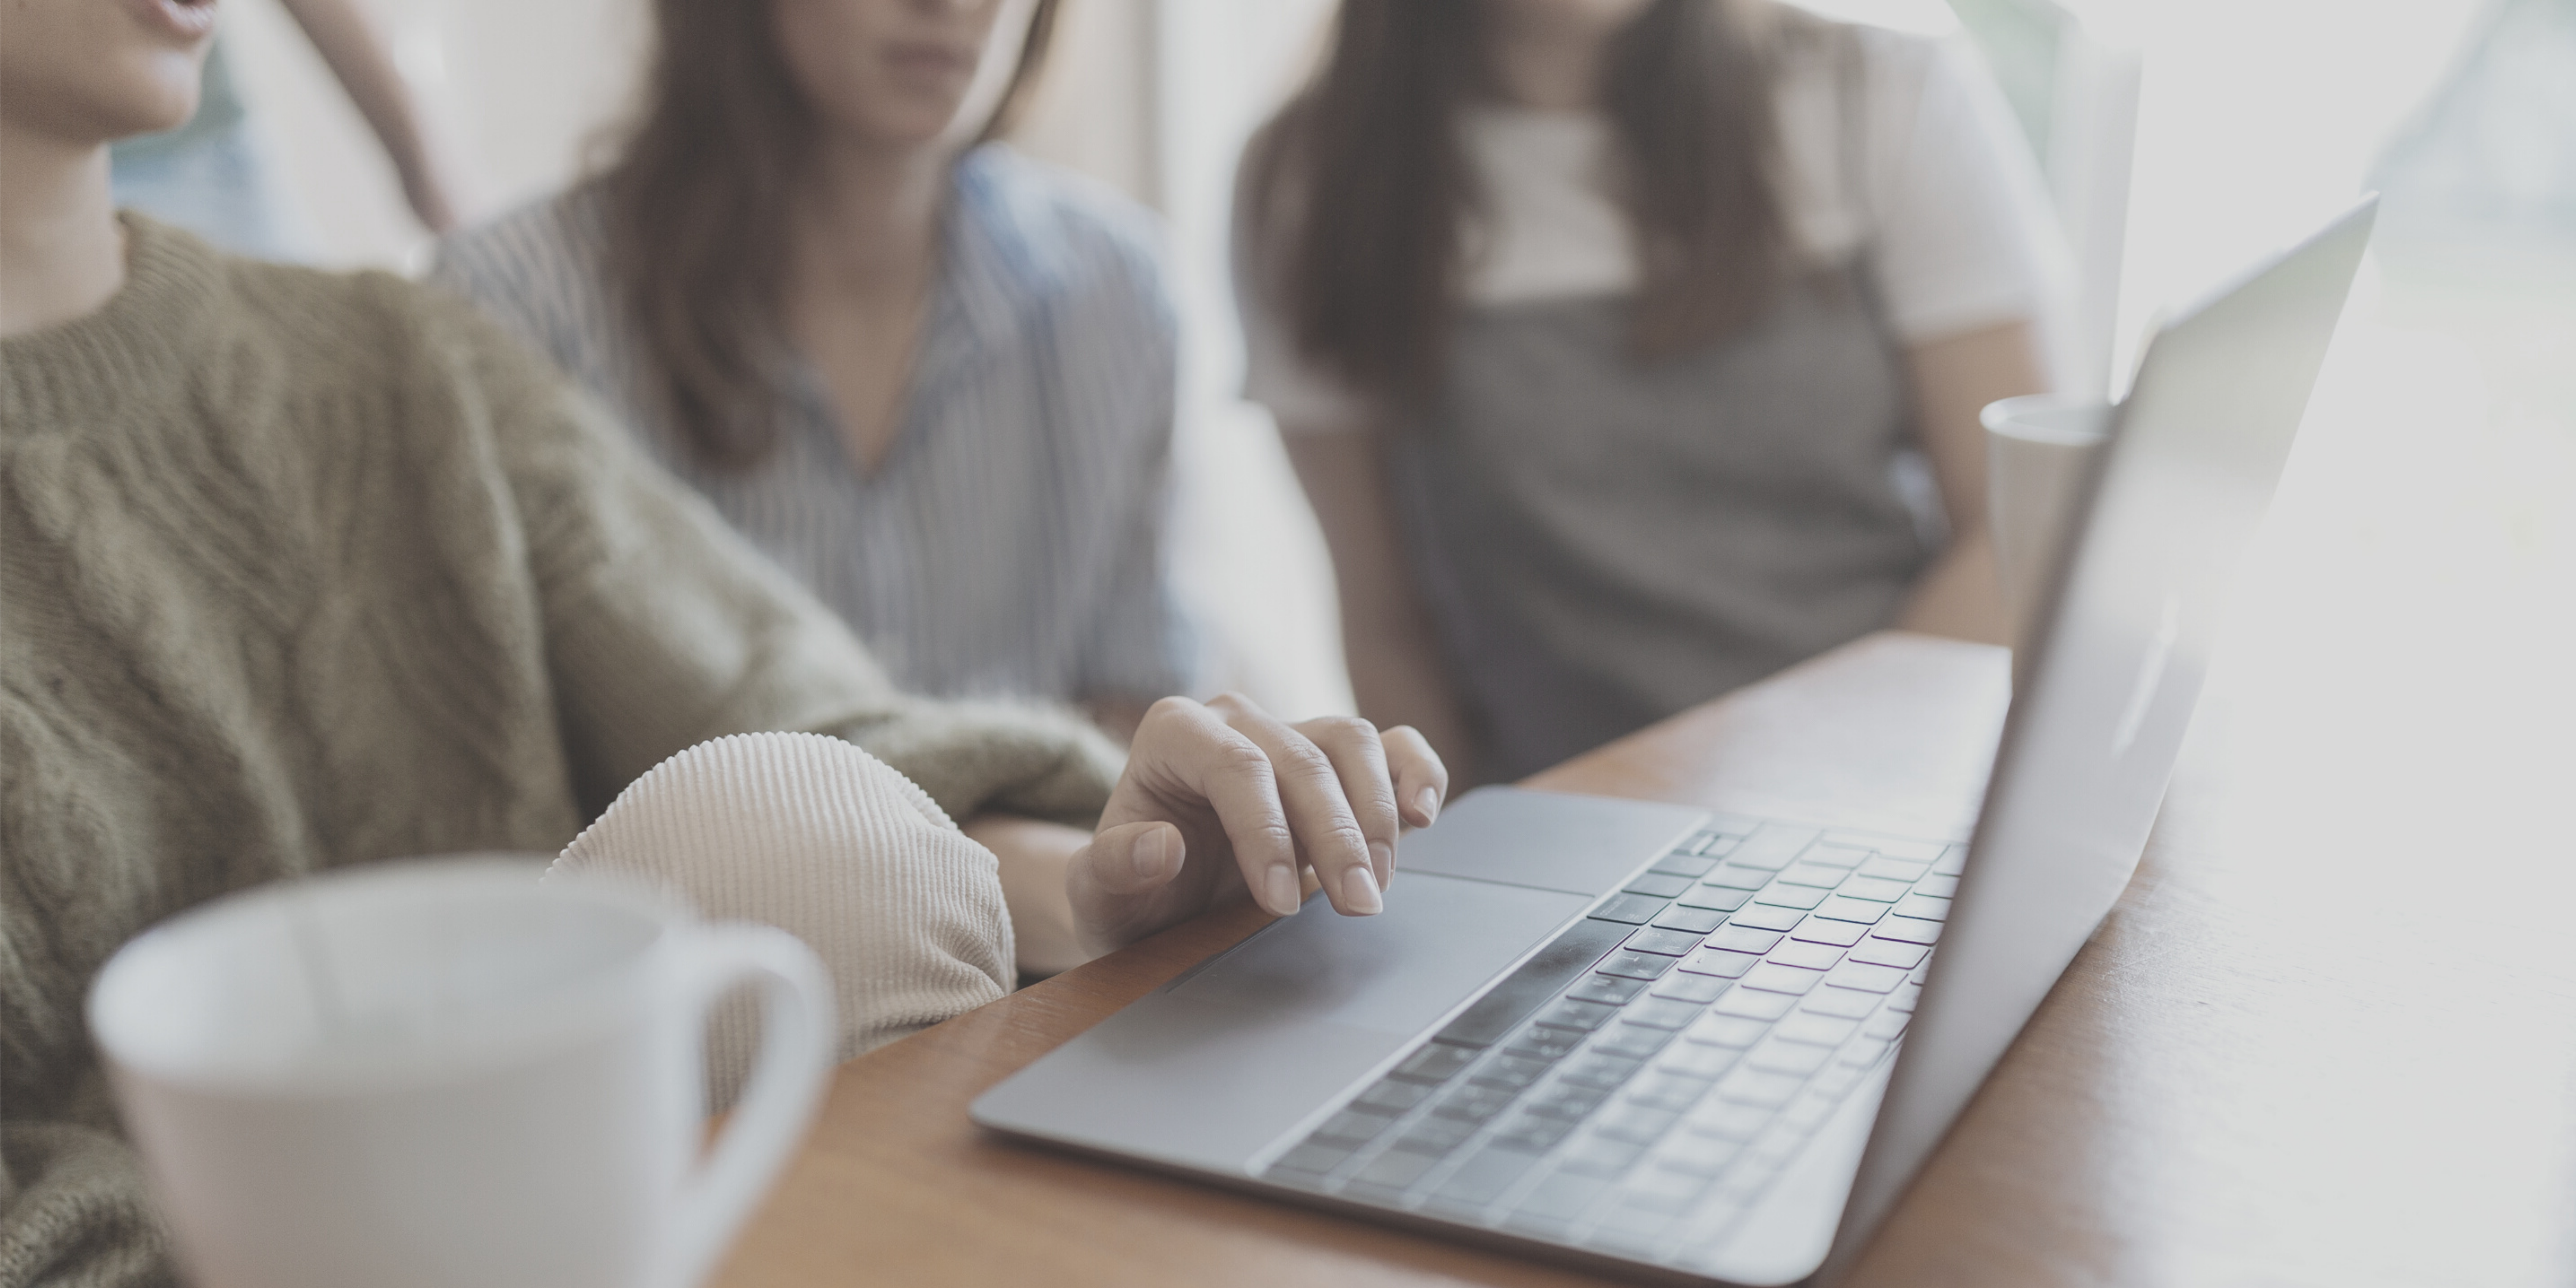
799	1027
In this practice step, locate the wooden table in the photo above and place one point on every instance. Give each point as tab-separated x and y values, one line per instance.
2329	1036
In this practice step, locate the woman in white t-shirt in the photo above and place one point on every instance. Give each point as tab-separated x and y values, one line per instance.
1612	357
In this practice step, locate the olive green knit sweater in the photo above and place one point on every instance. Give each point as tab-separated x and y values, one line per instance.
305	569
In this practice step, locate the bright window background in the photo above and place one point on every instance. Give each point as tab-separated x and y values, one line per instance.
2442	448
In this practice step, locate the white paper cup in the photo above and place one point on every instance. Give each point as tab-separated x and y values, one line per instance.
2040	453
446	1075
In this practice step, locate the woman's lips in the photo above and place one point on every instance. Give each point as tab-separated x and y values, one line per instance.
188	20
925	59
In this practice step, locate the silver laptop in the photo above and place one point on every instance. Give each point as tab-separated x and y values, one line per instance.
1685	1046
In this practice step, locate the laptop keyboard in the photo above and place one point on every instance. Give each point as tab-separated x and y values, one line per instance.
1634	1085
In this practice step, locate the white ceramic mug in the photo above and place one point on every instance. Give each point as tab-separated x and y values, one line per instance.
443	1074
2040	454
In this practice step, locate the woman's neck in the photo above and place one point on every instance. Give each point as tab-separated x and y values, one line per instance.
62	252
866	230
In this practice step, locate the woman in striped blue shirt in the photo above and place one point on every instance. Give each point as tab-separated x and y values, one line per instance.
931	377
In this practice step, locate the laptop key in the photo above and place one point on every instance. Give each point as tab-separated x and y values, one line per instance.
1534	1134
1394	1170
1739	877
1692	1060
1763	917
1903	998
1351	1128
1911	930
1678	864
1637	1123
1874	889
1719	962
1924	906
1581	1016
1862	975
1894	869
1952	862
1631	1041
1806	873
1826	930
1812	956
1862	911
1696	921
1670	943
1659	1187
1788	1057
1755	1004
1507	1071
1728	1030
1534	982
1726	1119
1714	899
1890	952
1312	1159
1659	885
1772	977
1682	986
1561	1197
1474	1104
1545	1045
1702	1155
1639	966
1828	851
1887	1025
1666	1090
1895	847
1744	939
1938	887
1864	1052
1752	1086
1630	909
1815	1030
1609	990
1599	1156
1435	1062
1772	846
1791	896
1661	1013
1484	1176
1839	1003
1391	1097
1433	1136
1603	1072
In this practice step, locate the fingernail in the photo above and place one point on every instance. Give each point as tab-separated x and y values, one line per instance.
1381	861
1153	853
1427	803
1282	895
1359	893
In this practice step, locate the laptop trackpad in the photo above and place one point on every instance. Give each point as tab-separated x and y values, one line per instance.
1439	940
1208	1071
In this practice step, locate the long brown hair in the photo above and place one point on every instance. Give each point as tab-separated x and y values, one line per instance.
1359	186
696	207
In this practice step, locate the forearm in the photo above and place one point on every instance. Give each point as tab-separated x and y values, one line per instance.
358	59
1959	595
1034	859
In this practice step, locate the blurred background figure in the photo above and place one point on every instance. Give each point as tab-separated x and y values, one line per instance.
930	376
211	175
1610	339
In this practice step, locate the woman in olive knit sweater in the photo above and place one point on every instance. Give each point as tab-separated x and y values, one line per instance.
305	569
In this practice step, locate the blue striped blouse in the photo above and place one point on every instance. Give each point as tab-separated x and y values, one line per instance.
1011	542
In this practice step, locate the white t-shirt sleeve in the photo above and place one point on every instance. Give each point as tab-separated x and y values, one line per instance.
1301	397
1963	234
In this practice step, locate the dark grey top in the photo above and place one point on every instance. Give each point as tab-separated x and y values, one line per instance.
1604	543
